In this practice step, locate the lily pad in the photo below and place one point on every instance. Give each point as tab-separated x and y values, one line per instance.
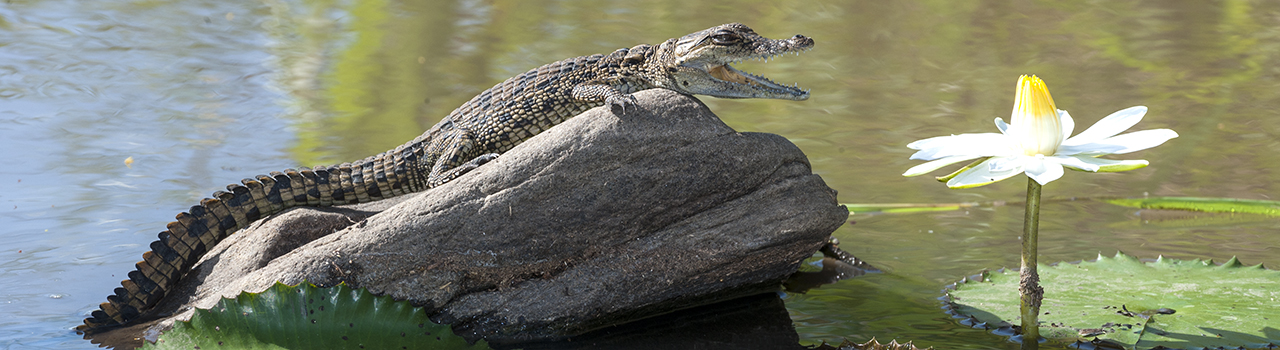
1121	301
310	317
901	208
870	345
1209	205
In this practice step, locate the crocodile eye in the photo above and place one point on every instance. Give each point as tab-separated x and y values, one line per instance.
726	39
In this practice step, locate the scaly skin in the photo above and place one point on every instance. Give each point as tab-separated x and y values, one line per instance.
475	133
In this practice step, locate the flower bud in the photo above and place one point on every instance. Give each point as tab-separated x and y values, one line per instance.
1035	124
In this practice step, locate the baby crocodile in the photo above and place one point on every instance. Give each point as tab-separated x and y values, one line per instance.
475	133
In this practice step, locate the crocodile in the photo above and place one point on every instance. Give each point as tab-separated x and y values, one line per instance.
475	133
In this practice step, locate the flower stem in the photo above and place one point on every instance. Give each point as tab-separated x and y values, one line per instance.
1029	282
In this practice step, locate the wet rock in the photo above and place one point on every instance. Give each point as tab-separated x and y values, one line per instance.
602	220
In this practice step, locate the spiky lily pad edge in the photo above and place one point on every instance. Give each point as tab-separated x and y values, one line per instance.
285	316
1004	329
872	344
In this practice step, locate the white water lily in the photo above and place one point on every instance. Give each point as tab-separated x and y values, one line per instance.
1037	142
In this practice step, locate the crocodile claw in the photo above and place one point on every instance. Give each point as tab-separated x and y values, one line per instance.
620	104
482	159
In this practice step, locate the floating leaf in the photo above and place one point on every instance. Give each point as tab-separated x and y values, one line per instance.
1199	204
1178	304
892	345
864	208
309	317
1210	205
870	345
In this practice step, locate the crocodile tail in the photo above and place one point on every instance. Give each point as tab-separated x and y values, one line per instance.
194	232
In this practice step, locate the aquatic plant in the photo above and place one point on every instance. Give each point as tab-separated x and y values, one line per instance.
310	317
1037	142
1176	304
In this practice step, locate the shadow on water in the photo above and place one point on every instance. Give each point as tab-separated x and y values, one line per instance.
756	322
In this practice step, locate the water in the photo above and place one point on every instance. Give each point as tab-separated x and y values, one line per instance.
202	94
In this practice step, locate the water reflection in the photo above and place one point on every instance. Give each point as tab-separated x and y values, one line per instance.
202	94
178	87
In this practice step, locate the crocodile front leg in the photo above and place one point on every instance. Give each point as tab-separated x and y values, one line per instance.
618	101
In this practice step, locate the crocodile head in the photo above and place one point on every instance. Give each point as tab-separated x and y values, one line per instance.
699	63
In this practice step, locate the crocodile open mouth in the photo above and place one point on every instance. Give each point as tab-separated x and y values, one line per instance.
727	73
703	63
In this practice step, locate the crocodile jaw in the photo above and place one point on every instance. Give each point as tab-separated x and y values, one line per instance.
701	67
739	84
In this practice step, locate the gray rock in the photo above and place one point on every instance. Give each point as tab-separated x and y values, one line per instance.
602	220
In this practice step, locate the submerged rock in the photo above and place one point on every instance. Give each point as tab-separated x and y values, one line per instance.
602	220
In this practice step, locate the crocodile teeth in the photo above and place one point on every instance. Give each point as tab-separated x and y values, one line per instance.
727	73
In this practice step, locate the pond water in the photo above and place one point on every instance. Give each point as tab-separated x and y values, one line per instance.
199	94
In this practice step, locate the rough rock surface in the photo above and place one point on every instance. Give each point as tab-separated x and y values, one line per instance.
602	220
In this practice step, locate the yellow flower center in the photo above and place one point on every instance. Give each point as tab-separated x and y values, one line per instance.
1035	123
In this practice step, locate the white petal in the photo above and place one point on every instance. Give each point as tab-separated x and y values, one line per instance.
1088	150
1043	170
1078	162
1002	164
1000	124
1068	124
944	141
974	145
1140	140
1131	142
1109	126
935	165
981	175
1110	166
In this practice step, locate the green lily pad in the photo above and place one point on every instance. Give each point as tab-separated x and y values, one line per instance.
310	317
902	208
1209	205
1121	301
870	345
